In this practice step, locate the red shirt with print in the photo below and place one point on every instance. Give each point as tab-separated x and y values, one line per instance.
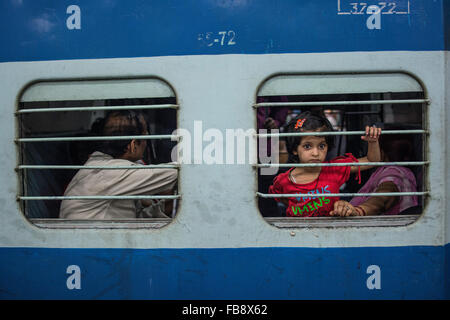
329	180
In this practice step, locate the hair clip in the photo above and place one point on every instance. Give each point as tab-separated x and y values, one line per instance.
299	123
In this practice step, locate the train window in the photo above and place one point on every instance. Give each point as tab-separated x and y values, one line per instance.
61	125
396	102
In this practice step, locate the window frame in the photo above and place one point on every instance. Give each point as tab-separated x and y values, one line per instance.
59	223
354	221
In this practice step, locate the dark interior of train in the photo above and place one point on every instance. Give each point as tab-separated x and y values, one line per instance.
349	118
52	182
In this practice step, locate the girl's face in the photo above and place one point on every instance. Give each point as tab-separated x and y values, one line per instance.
312	149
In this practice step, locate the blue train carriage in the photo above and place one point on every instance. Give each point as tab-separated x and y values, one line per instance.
201	70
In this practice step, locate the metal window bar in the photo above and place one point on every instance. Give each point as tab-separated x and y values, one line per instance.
338	103
176	137
339	133
68	167
97	138
166	197
99	108
309	195
348	164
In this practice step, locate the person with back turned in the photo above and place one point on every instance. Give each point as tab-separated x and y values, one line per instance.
116	182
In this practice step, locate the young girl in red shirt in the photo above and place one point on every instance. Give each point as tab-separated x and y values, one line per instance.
319	179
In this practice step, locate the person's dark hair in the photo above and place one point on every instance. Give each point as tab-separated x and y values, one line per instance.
310	121
97	127
120	123
397	147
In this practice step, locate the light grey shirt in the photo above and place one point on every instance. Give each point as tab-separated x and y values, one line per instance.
112	182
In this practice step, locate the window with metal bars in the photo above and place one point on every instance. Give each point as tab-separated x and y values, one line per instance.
58	129
396	102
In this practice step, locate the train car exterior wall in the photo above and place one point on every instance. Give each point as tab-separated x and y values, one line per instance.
215	55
